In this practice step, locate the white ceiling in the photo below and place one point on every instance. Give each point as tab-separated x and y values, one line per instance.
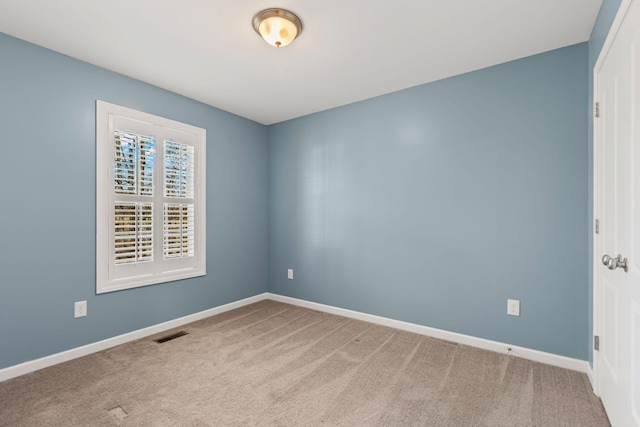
349	50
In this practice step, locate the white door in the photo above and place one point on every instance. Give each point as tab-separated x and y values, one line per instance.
617	207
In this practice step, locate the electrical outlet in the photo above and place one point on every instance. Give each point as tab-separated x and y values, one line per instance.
79	309
290	274
513	307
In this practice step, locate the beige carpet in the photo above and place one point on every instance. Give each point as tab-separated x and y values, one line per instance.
274	364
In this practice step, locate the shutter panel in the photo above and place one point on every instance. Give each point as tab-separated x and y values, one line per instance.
125	163
179	226
145	232
134	163
147	164
133	232
178	169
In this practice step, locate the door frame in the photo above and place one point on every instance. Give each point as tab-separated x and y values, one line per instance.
597	191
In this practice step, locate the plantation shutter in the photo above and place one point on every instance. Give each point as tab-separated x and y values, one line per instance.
155	210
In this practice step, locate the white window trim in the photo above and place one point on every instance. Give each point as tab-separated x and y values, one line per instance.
161	270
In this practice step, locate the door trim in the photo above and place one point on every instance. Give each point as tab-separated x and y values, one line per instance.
597	188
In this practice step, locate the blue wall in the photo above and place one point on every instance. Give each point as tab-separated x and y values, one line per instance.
435	204
47	220
599	34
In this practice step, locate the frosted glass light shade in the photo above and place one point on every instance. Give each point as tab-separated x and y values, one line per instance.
278	27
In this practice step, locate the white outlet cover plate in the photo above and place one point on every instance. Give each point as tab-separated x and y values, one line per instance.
513	307
79	309
290	274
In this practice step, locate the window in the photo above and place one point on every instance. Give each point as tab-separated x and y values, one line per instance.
150	199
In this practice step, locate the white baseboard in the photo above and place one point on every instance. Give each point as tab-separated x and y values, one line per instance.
525	353
592	379
74	353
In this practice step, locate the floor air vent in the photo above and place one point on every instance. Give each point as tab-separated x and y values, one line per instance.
171	337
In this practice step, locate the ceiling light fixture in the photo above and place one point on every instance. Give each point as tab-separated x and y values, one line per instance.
278	27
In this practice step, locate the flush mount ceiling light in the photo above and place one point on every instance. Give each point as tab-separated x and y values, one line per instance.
278	27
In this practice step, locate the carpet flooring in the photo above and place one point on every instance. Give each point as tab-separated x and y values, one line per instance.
273	364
